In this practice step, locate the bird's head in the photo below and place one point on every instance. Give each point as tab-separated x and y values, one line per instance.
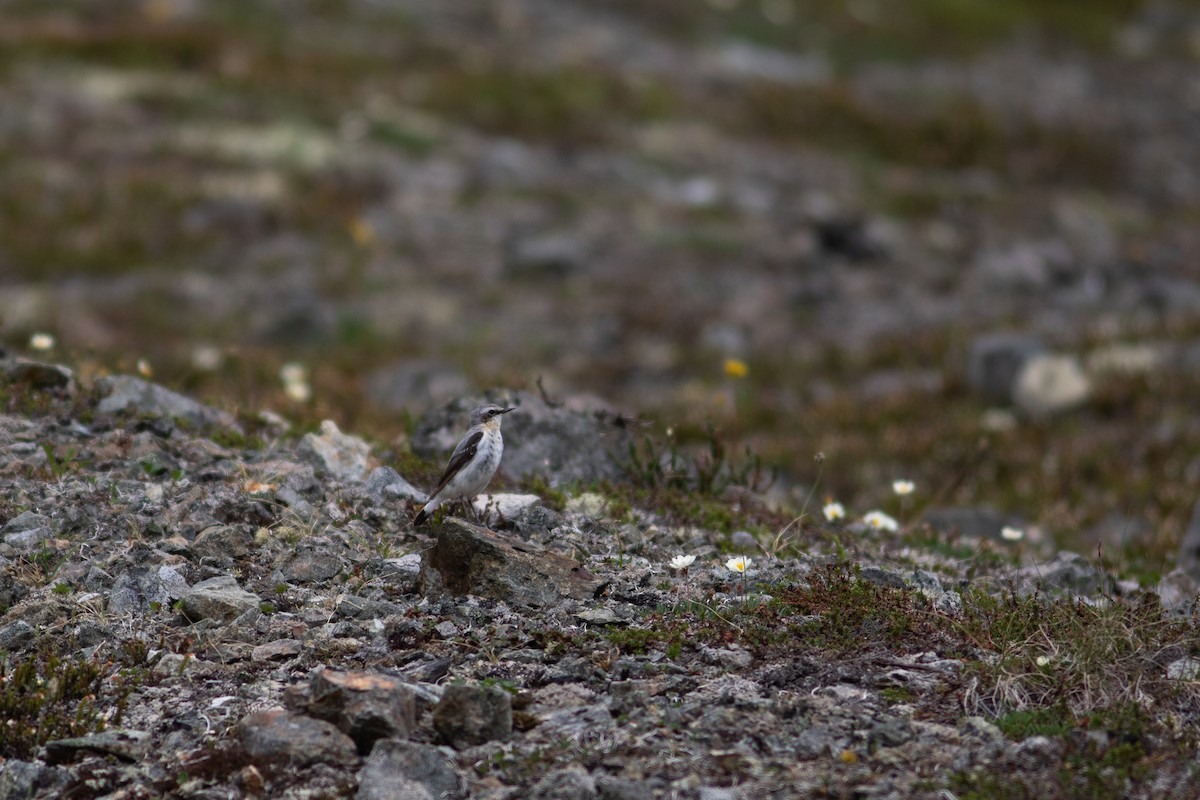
489	413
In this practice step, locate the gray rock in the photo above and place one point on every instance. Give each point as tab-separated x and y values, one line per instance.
130	394
217	598
468	559
224	543
982	522
295	740
25	521
494	507
399	770
1188	558
715	793
568	783
365	705
1177	591
20	780
950	604
354	607
310	566
1184	669
744	542
137	589
128	745
37	374
385	485
560	444
1067	573
926	581
402	574
415	386
11	590
27	540
336	454
995	360
1050	384
1038	752
471	715
16	635
608	788
545	256
278	650
882	577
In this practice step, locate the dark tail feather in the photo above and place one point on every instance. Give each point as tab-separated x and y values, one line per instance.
420	517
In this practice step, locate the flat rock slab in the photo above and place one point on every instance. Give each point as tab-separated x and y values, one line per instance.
217	598
130	394
469	559
297	740
128	745
561	444
38	374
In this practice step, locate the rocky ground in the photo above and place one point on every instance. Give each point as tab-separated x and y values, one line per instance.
199	610
734	259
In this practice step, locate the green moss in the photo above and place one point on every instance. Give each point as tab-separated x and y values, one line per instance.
570	105
635	641
552	497
1035	722
846	612
45	697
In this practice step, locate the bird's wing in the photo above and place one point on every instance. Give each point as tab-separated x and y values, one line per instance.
460	458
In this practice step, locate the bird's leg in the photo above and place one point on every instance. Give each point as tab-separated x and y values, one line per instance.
471	507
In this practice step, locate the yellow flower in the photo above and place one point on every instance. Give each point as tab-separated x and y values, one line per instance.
736	368
362	232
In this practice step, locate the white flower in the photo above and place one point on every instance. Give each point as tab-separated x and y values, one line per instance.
293	372
298	392
1011	534
682	562
295	382
41	341
206	358
880	521
738	564
1042	661
833	511
903	487
144	369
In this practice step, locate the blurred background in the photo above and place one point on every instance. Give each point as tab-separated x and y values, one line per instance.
951	241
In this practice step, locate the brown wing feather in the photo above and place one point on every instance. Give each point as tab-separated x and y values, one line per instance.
460	458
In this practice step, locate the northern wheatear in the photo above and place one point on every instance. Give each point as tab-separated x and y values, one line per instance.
472	464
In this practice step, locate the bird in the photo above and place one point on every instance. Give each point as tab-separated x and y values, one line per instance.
472	464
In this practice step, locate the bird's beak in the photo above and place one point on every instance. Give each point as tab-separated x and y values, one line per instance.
506	410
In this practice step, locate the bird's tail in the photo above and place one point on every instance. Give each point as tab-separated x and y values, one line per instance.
426	510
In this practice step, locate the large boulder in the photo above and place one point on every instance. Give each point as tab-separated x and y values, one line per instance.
559	443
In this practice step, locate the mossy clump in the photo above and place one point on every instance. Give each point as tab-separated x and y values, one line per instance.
45	697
